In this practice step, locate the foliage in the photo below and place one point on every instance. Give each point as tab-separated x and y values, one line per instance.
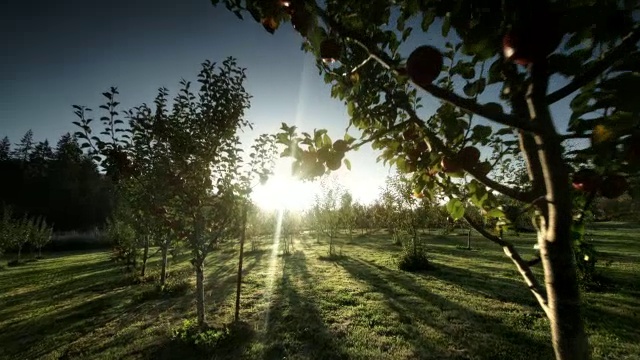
190	333
59	184
414	260
122	235
484	45
326	211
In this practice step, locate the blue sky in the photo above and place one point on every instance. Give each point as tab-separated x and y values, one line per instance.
56	54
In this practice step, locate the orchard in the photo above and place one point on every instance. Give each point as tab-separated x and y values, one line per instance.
497	70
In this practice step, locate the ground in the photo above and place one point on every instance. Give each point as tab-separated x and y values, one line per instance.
473	305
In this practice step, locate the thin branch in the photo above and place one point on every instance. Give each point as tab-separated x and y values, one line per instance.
467	104
526	197
521	265
628	43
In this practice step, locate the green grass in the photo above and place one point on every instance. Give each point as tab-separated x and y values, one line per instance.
357	305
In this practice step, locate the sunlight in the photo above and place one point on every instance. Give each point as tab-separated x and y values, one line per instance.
282	191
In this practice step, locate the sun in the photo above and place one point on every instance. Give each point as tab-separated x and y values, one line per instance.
282	191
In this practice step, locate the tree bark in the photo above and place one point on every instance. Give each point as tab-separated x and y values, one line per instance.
145	256
240	258
199	265
567	328
163	268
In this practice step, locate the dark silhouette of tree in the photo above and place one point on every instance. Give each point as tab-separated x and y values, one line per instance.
61	186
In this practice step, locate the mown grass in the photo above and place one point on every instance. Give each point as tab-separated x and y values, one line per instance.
357	305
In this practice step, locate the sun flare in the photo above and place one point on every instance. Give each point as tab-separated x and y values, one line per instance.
284	192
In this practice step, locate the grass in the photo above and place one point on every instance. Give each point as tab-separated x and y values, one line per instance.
306	305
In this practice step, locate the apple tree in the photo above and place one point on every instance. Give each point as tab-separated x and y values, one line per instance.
496	69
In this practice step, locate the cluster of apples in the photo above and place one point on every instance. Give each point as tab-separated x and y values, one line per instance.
313	162
467	158
589	181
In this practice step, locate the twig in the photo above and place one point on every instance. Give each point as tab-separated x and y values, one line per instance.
521	265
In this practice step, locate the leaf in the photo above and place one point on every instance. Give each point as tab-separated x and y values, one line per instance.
495	213
481	132
455	208
347	163
427	19
446	24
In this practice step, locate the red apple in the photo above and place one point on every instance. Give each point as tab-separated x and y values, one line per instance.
526	44
586	180
469	156
424	65
450	165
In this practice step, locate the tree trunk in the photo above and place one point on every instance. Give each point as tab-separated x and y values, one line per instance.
199	265
163	268
145	255
19	251
554	238
240	258
469	240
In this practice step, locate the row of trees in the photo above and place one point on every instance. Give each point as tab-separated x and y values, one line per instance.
60	184
181	179
20	233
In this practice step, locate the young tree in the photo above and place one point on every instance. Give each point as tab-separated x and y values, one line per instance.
495	43
327	211
347	213
42	233
259	168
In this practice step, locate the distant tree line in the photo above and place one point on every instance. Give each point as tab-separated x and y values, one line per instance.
61	185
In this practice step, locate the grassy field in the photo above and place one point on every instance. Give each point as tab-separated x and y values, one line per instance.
473	305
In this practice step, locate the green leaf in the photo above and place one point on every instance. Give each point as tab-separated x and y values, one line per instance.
455	208
427	19
446	24
347	164
495	213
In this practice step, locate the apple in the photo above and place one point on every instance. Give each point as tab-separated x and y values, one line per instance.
330	50
410	134
340	146
613	186
527	44
469	156
450	165
586	180
424	65
334	162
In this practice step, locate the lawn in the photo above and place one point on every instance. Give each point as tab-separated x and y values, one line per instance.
473	305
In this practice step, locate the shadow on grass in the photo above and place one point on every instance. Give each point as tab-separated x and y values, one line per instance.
295	326
476	333
501	289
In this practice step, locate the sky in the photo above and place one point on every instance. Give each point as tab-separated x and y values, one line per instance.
55	54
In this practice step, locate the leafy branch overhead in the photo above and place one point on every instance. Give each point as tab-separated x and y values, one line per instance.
494	71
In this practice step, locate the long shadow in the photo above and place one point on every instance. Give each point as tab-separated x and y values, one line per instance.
501	289
295	326
40	335
464	327
222	282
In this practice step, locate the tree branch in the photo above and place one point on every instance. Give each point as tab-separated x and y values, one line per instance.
526	197
438	92
628	42
521	265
